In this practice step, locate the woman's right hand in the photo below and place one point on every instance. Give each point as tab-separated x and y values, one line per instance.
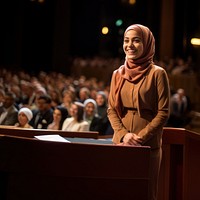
132	139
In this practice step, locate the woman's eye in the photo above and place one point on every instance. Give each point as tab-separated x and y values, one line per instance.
137	40
126	41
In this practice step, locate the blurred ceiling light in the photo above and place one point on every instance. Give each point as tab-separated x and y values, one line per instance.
39	1
195	41
132	2
105	30
119	22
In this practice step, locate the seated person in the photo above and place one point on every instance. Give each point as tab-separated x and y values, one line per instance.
83	94
2	96
24	116
179	109
102	106
76	121
91	115
60	113
43	114
9	112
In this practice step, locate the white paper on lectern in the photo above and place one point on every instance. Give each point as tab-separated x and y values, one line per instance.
55	138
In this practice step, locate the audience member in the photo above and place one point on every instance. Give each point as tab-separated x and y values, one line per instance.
9	112
24	116
55	97
84	93
2	96
91	115
101	100
102	107
180	67
43	114
180	107
93	93
60	113
68	97
18	97
28	95
76	121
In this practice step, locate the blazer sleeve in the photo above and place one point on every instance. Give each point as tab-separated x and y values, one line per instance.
115	120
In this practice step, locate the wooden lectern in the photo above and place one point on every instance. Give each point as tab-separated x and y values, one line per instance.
30	133
32	169
180	167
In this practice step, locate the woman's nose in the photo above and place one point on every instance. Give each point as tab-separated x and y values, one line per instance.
130	43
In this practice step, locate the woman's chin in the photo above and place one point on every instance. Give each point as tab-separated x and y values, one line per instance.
131	57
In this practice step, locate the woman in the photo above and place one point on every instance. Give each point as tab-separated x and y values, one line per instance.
59	115
102	106
68	97
24	116
91	116
139	98
101	100
76	121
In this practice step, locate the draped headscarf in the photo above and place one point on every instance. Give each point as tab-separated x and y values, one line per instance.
94	103
134	69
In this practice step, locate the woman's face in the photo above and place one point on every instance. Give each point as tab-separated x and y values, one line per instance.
57	115
22	118
100	100
67	98
73	110
89	109
133	45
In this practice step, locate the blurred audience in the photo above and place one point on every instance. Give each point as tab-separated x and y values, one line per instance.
180	67
65	90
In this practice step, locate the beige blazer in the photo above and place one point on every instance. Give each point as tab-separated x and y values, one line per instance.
70	124
151	98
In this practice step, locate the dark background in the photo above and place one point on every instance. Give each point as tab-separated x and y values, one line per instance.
46	36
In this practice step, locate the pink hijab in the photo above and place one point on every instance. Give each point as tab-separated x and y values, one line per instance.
133	70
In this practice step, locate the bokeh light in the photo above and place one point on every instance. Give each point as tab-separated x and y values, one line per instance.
105	30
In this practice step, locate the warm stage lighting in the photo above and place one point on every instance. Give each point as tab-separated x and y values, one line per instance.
39	1
105	30
132	2
195	41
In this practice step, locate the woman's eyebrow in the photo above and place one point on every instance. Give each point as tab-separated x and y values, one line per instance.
136	37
